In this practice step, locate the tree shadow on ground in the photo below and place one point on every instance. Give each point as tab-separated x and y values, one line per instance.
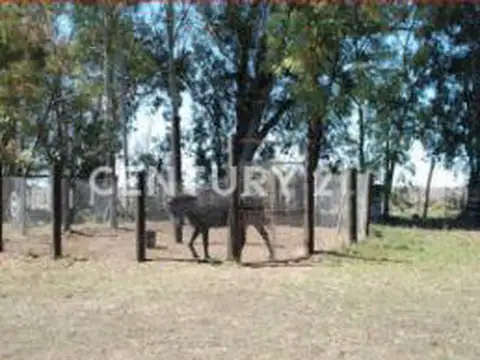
185	260
253	244
290	262
79	233
305	261
158	247
353	256
298	261
92	233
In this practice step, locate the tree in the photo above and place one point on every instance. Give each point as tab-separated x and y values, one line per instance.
23	58
398	103
161	38
234	87
107	40
174	98
450	43
315	46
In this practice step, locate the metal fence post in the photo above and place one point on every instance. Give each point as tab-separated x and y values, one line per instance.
57	210
140	220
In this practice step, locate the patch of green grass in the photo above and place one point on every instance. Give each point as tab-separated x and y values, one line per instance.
418	247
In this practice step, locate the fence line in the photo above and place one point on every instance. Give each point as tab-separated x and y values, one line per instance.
27	204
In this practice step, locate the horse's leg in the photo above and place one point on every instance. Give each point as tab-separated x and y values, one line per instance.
263	233
205	243
196	231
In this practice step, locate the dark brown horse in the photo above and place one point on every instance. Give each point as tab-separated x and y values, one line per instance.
203	215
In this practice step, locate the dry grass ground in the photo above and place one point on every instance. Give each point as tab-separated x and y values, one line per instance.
404	294
96	241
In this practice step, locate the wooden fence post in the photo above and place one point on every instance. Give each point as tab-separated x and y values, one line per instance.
140	220
353	218
309	241
274	205
309	212
57	209
233	218
237	227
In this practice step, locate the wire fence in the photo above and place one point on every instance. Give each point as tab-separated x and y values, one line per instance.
282	187
27	205
27	214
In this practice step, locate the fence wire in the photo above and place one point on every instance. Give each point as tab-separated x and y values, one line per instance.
27	205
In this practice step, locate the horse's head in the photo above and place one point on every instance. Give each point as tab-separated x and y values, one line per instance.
179	204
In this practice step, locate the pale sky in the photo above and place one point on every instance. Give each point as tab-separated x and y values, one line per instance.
150	125
441	176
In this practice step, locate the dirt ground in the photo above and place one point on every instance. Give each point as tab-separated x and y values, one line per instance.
403	294
96	241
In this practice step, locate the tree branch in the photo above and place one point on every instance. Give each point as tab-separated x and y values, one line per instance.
275	119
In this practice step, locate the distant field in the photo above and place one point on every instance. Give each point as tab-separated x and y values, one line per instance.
404	294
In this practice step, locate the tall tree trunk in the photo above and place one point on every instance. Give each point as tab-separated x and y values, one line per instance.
242	153
314	141
250	102
123	118
219	146
472	207
426	203
59	165
71	179
243	131
174	96
126	159
237	231
107	73
361	138
66	203
387	186
21	184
